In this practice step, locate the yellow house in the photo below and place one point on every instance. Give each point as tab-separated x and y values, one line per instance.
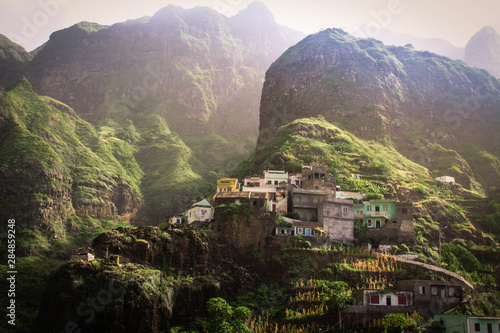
228	185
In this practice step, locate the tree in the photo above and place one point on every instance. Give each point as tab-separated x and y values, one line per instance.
225	318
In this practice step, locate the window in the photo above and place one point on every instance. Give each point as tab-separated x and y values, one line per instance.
359	212
434	291
345	211
385	208
316	187
404	211
229	189
477	327
255	202
203	212
276	182
369	223
421	290
377	208
237	201
374	299
300	231
401	300
368	208
256	184
451	292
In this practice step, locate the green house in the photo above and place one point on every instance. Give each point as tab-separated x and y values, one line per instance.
466	324
375	213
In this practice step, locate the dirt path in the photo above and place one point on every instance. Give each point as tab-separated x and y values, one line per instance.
437	269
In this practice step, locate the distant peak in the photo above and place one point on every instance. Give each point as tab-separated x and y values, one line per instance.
257	9
486	31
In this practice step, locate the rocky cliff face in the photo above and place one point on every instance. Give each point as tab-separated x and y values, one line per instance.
54	164
483	51
409	97
193	62
151	280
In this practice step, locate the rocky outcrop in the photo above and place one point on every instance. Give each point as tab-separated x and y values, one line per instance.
143	280
483	50
245	228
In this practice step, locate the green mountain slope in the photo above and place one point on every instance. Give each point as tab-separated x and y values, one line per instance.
54	165
195	70
13	60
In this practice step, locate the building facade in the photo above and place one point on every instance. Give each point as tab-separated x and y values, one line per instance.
200	213
228	185
468	324
275	178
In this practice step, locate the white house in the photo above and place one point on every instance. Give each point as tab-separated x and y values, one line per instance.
445	179
201	212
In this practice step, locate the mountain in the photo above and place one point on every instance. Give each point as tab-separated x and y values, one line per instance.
56	167
13	60
483	50
434	45
182	87
426	106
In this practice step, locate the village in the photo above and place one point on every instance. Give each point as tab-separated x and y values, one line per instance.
311	205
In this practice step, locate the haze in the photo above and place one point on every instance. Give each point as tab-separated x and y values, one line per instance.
450	20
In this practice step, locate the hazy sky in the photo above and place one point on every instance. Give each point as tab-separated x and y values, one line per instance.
30	22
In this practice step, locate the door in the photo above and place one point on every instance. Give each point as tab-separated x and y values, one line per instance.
389	301
308	232
490	328
377	223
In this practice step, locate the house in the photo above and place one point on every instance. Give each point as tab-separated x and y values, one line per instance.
254	182
375	297
375	213
337	218
316	178
445	179
315	201
228	185
468	324
388	221
175	219
433	297
273	183
273	178
371	304
299	228
200	213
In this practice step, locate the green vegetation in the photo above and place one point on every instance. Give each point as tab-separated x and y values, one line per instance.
315	141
